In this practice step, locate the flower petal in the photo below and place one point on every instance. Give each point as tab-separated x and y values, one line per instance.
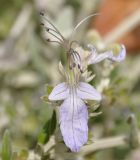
96	58
86	91
73	123
121	55
101	57
60	92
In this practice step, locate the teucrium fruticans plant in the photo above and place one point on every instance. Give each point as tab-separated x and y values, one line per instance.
73	92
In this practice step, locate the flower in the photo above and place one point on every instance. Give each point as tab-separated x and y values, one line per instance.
73	92
73	111
95	57
92	57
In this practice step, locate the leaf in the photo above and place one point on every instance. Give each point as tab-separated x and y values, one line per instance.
48	89
45	98
6	150
21	155
95	114
42	137
48	129
93	105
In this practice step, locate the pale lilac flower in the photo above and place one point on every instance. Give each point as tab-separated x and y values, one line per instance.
95	57
74	92
91	56
73	111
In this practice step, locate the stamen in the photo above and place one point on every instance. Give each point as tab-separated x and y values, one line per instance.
71	66
81	70
72	55
74	65
72	43
56	30
41	13
79	66
49	29
79	24
42	24
77	54
75	59
52	30
48	40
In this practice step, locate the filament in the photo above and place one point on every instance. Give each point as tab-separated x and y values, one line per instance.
47	29
48	40
56	30
50	29
77	26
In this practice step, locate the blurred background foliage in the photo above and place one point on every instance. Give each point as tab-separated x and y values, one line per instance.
28	62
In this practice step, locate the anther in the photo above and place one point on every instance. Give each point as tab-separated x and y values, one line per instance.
54	28
41	13
42	24
48	40
81	71
47	29
70	66
73	65
79	66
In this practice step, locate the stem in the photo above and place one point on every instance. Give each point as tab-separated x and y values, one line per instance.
105	143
